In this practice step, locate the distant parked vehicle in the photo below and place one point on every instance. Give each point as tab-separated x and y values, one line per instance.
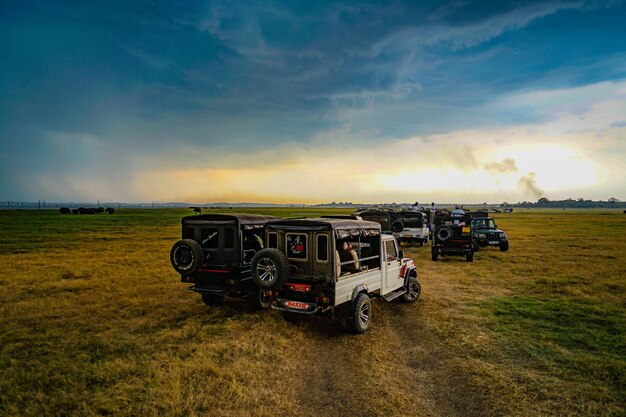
407	226
332	266
485	232
215	255
453	236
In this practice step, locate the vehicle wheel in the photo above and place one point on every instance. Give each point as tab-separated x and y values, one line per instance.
414	291
397	226
186	256
360	315
475	245
291	317
435	256
212	300
269	268
504	246
469	257
260	301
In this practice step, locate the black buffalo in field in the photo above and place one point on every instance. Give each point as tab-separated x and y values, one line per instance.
89	210
196	210
110	210
100	210
75	211
65	210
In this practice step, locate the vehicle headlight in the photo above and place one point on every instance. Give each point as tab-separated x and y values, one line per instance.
482	235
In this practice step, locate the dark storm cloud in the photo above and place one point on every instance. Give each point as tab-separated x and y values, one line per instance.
168	78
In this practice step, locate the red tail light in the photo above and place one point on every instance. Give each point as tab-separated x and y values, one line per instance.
299	287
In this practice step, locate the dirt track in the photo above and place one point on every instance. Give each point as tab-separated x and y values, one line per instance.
398	368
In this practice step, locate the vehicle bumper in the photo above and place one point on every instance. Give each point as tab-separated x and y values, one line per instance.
282	304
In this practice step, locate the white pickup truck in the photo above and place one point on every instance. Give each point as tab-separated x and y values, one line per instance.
332	266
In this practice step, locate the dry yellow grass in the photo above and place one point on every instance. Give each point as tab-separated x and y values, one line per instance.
94	321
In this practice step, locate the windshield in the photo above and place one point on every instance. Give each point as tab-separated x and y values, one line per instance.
411	220
483	224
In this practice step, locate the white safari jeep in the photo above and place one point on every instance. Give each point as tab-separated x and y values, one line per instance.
332	266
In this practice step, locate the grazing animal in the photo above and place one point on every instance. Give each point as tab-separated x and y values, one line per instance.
110	210
65	210
197	210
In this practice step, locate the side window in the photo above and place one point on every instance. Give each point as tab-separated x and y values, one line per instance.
229	238
272	240
392	252
209	238
296	246
322	248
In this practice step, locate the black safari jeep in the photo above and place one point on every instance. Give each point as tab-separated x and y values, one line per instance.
332	266
215	254
486	232
453	236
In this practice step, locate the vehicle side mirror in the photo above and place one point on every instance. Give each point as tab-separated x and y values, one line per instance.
401	254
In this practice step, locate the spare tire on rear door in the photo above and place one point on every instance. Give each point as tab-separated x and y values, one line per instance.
397	226
269	268
186	256
444	233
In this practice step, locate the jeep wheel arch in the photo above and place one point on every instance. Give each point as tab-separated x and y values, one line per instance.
270	268
186	256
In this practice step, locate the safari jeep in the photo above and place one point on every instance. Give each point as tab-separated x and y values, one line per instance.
407	226
332	266
486	233
215	255
453	236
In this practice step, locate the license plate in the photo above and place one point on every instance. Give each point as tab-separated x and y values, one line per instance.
296	304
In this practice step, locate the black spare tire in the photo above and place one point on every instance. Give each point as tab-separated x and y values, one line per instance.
269	268
444	233
397	226
186	256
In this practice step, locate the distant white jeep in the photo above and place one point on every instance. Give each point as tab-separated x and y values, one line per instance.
407	226
332	266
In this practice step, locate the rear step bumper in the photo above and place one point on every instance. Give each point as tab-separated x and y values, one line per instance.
214	291
281	304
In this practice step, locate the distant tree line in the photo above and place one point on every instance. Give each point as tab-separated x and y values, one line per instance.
569	203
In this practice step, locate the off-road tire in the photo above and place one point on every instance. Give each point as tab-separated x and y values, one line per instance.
444	233
270	268
186	256
435	256
212	300
413	293
397	226
360	314
469	257
504	246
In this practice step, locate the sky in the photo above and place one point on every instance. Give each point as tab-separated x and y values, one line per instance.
312	101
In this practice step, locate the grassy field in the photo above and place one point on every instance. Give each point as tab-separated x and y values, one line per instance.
94	321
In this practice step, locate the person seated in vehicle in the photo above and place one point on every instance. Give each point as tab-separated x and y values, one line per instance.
346	254
458	212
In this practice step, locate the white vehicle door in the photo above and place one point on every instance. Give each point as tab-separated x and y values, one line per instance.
391	267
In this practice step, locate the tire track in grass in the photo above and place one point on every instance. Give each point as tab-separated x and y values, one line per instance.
445	387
